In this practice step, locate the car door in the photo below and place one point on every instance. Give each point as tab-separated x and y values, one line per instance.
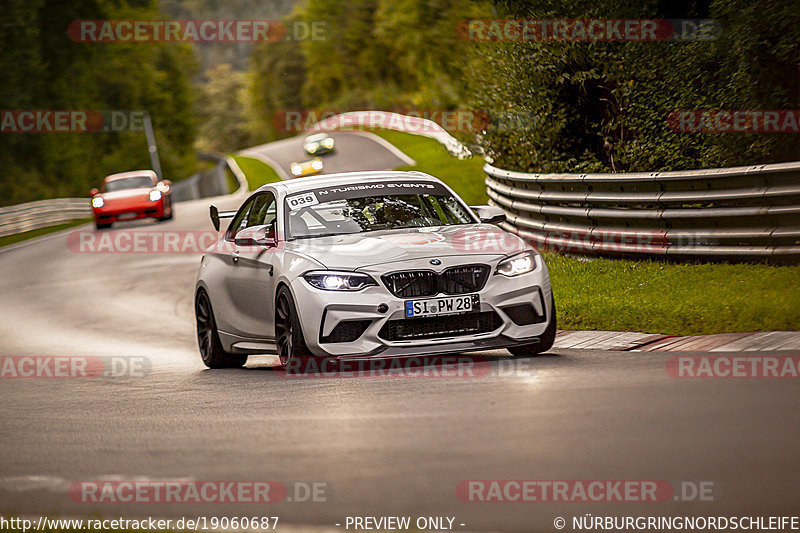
250	279
220	264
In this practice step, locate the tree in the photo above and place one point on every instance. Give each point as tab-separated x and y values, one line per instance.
43	69
222	110
373	54
277	75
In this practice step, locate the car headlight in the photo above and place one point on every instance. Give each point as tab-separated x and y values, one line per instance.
155	196
518	264
339	281
296	169
98	201
328	143
316	165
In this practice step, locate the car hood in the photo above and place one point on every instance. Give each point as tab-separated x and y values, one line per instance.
360	250
127	194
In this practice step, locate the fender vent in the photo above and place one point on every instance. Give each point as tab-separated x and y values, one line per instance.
346	331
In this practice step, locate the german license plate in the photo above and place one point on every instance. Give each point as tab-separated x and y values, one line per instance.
126	216
446	305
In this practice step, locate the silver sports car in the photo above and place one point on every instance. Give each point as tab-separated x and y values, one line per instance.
368	264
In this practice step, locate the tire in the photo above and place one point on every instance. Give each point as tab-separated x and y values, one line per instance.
208	338
99	226
288	332
545	341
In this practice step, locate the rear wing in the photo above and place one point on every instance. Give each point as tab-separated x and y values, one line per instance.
216	214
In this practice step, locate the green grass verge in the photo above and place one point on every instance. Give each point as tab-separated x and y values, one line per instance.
257	172
465	176
19	237
674	298
629	295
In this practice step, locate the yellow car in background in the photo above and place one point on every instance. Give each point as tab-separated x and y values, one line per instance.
306	168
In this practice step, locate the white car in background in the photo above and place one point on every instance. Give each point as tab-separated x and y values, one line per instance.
319	144
368	264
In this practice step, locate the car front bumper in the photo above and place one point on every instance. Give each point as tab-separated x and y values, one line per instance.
110	213
322	311
320	150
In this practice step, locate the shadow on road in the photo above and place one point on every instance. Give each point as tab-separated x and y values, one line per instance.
471	365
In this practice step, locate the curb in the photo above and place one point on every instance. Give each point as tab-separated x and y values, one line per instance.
646	342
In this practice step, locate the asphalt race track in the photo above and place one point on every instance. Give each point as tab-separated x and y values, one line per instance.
355	150
381	446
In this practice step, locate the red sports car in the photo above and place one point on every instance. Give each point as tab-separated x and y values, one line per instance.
131	195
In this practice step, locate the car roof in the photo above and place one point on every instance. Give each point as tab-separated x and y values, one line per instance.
348	178
317	136
132	174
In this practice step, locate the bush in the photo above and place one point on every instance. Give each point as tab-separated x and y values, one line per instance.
603	106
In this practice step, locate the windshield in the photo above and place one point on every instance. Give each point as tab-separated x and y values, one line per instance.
135	182
316	137
359	211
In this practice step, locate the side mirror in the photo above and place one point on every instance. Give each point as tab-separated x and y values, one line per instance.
256	236
489	214
93	192
166	182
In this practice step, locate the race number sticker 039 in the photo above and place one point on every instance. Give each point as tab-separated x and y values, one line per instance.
302	200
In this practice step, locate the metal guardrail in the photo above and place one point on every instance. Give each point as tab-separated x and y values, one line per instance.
741	212
211	182
43	213
238	173
34	215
